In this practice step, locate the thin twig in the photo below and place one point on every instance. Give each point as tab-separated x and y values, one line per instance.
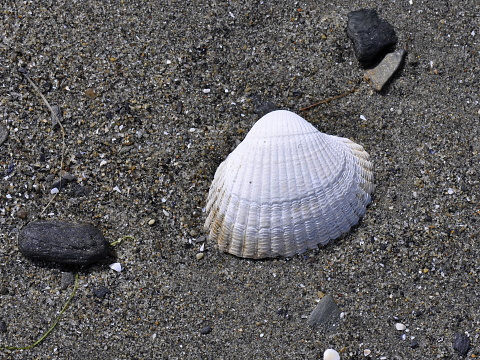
55	118
330	99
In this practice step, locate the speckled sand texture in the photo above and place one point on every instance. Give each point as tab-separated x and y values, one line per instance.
154	95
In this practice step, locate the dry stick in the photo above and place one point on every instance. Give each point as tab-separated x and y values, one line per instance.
330	99
55	117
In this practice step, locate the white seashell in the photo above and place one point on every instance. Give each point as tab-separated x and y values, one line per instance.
287	188
331	354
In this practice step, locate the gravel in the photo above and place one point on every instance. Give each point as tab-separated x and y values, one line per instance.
143	138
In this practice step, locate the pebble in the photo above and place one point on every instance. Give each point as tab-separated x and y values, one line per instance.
379	76
3	326
3	134
205	330
461	344
372	37
400	326
200	256
325	312
62	242
67	280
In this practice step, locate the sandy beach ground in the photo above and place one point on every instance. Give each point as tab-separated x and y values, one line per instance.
154	95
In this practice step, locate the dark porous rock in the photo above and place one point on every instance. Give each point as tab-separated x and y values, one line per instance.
62	242
372	37
325	313
461	344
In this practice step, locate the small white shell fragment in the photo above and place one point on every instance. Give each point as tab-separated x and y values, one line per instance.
331	354
54	191
400	326
286	188
366	352
202	247
116	266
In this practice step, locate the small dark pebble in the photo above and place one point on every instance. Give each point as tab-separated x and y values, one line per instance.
326	312
3	326
22	213
205	330
372	37
62	242
461	344
101	292
3	134
179	107
414	344
4	290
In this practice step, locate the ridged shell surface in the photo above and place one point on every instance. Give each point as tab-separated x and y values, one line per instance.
286	188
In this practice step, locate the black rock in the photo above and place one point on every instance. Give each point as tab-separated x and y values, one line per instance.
62	242
461	344
372	37
326	312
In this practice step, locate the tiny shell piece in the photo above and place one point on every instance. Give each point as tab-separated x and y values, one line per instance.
116	266
286	188
331	354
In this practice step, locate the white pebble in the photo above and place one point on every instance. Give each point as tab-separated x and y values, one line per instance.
363	118
366	352
116	266
331	354
206	91
400	326
54	191
200	256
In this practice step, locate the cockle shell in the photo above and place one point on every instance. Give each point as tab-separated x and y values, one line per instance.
287	188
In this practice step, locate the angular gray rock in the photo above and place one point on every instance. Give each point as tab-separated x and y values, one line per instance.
326	312
63	242
380	74
372	37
